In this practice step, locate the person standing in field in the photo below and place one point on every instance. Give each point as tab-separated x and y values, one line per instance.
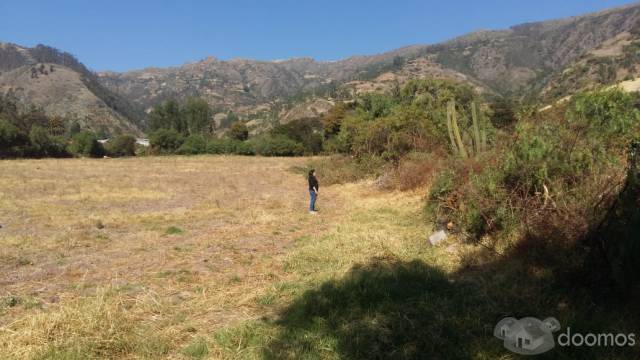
313	191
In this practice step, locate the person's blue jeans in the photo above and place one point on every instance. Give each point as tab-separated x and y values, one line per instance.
312	203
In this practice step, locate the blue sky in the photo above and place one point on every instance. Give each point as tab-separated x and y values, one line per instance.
124	35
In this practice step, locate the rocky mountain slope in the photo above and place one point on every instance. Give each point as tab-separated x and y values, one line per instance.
523	59
615	61
59	84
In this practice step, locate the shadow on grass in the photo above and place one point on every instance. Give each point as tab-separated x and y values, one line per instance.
386	309
389	309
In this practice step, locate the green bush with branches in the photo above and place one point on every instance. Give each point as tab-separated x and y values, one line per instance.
277	145
165	141
85	143
193	145
121	145
572	153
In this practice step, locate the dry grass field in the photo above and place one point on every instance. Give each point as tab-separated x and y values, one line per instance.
216	257
140	257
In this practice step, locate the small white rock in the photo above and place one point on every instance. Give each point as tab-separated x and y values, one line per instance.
437	237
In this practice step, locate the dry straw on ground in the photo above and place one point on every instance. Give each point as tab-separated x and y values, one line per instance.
137	258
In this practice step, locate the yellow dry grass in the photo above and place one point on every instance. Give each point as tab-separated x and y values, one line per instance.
134	258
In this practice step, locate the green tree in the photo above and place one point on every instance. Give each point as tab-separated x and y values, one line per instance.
33	117
307	132
375	105
166	140
40	141
57	125
198	116
122	145
278	145
194	144
10	138
239	131
45	144
332	120
85	143
167	116
74	128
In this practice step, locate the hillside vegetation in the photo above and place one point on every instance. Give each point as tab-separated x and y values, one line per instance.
554	58
547	179
34	134
62	86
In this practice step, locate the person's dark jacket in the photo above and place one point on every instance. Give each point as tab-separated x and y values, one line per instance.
313	183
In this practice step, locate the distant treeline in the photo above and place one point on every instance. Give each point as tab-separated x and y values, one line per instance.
189	129
33	134
388	125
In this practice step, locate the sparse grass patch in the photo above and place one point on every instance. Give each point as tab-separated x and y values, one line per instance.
197	349
11	301
303	239
266	299
23	261
173	230
245	340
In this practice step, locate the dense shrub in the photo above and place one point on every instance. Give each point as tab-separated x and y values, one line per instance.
44	144
11	139
277	145
194	144
238	131
332	120
31	133
307	132
391	125
121	145
413	171
547	181
221	146
165	141
229	146
614	240
606	116
85	143
243	148
503	112
595	129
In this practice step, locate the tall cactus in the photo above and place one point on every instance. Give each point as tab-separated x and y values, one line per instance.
476	135
483	140
454	147
451	109
477	144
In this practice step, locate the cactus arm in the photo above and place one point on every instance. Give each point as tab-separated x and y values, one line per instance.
476	129
450	130
456	131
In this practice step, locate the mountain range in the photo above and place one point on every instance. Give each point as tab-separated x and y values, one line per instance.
548	60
